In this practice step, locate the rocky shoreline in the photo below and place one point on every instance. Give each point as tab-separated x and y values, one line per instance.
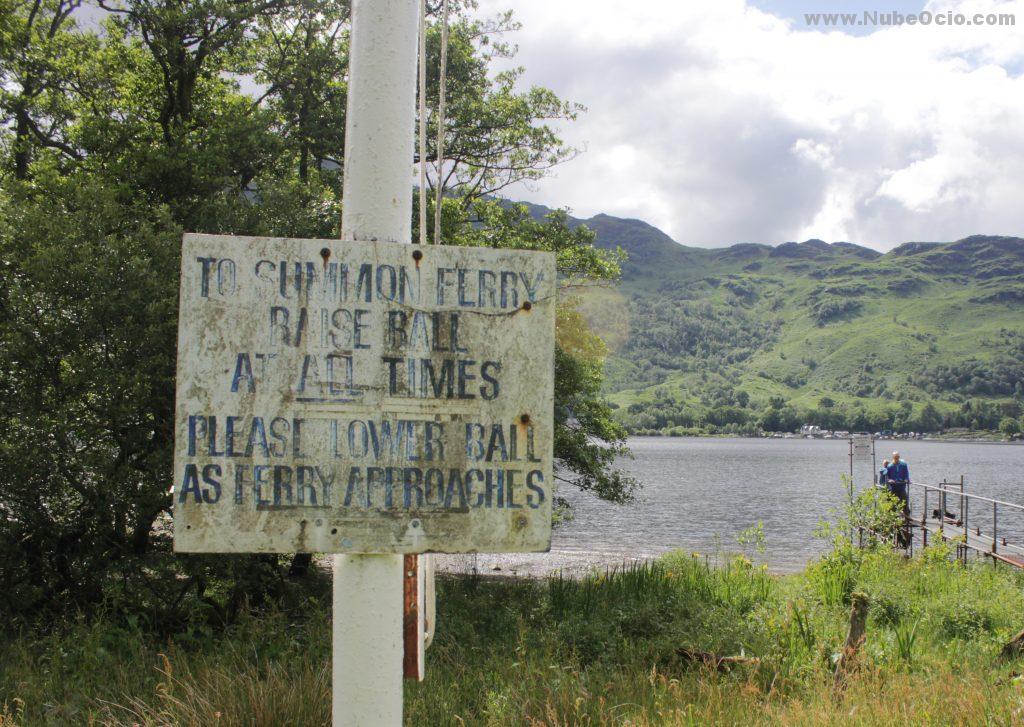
532	565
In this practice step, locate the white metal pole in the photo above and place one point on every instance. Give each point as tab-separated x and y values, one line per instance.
377	205
380	121
367	645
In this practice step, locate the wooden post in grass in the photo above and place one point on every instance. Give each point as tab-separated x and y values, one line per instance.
854	639
1014	647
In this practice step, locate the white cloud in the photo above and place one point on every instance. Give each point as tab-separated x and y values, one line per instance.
721	123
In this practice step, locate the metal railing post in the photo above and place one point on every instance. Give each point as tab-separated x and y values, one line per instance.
942	512
995	525
961	497
965	509
924	518
962	522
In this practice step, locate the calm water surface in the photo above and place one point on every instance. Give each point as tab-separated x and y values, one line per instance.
698	494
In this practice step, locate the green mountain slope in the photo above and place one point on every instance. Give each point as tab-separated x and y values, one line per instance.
927	336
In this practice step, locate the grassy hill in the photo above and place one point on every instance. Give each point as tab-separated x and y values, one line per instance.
925	337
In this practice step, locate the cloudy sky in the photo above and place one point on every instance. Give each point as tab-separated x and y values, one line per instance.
727	121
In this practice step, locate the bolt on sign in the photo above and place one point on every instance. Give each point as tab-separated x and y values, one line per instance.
363	397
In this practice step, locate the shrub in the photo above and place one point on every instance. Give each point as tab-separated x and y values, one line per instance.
966	621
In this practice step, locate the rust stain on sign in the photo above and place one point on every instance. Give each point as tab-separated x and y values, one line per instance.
351	397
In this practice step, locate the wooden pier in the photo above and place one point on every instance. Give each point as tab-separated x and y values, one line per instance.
972	525
972	539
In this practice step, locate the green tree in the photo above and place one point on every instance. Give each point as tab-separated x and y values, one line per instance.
300	58
146	133
39	55
930	420
902	419
496	132
88	296
784	419
1009	426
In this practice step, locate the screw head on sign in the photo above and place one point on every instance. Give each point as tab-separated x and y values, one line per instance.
417	255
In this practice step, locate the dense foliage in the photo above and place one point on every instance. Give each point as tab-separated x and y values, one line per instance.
750	338
212	116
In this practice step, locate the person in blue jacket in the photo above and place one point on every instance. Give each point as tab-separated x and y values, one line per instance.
897	477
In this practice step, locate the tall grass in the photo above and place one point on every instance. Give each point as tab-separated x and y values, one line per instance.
610	648
906	638
269	669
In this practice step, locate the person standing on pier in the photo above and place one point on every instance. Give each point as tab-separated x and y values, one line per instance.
897	477
883	474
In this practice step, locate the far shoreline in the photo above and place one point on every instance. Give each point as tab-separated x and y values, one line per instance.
981	439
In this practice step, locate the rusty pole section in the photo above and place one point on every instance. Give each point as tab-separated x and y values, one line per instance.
412	618
377	205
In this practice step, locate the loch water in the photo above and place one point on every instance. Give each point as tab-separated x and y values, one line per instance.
698	494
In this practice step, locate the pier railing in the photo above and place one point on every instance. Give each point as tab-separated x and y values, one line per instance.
958	526
967	527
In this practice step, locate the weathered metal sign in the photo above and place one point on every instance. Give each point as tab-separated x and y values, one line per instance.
862	447
363	397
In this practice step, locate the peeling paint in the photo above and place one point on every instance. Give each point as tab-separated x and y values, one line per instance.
350	397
